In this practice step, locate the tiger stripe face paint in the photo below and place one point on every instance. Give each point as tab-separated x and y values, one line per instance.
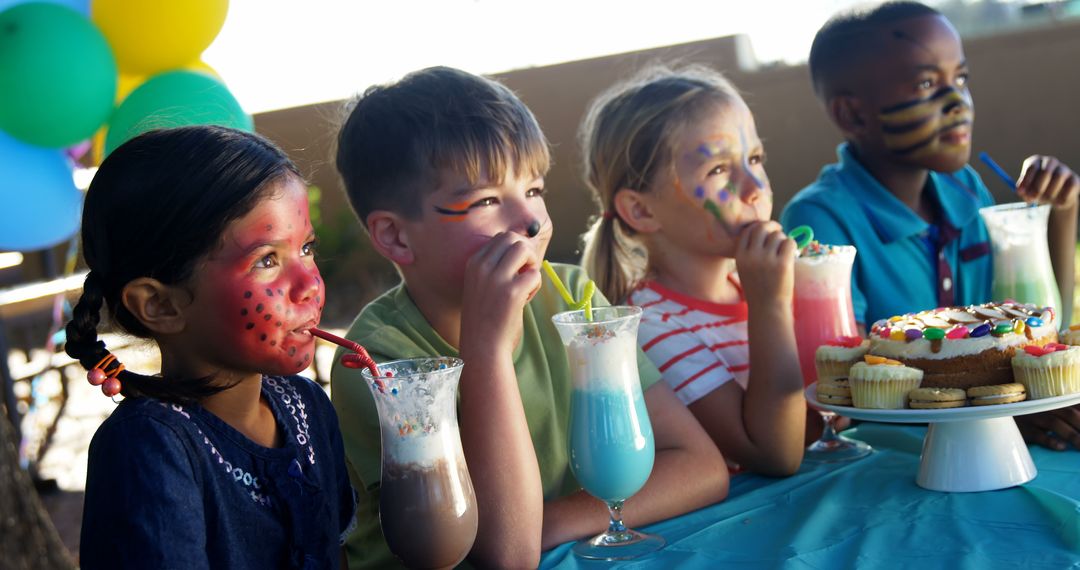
923	126
909	102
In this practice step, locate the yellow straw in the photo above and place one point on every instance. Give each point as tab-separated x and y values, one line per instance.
586	295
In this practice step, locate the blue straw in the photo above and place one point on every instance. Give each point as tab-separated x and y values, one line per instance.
997	170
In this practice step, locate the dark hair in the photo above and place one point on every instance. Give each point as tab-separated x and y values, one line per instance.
398	137
845	37
156	206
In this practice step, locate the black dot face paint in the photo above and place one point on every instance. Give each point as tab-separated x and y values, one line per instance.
269	292
259	308
267	316
534	229
247	294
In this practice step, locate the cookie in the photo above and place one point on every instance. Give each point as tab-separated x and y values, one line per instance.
835	392
936	398
997	394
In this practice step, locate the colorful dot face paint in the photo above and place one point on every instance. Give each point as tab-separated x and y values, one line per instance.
256	295
722	169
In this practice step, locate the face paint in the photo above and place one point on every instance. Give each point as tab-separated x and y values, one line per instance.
257	295
911	128
746	161
453	212
709	150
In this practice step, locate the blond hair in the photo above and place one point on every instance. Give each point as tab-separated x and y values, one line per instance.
627	140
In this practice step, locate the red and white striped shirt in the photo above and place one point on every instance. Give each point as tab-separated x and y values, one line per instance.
698	346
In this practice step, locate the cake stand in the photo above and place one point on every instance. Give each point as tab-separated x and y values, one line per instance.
974	448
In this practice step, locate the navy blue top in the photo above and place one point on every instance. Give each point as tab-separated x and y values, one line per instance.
896	267
172	486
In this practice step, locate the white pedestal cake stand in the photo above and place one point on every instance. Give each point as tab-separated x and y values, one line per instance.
975	448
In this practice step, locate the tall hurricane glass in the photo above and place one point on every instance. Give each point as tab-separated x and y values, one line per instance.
823	311
1022	269
427	507
611	439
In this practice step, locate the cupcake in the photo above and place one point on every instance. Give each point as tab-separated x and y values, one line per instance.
834	358
1049	370
1071	335
882	383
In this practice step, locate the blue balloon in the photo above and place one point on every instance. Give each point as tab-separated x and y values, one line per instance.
80	6
39	204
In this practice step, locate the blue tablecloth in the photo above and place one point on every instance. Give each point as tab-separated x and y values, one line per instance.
870	513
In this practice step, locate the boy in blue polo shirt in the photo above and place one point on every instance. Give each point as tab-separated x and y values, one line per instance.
894	81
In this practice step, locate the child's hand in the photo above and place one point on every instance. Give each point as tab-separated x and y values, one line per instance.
765	259
499	279
1045	180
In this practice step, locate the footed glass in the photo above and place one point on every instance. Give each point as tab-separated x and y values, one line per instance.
611	439
1022	269
824	311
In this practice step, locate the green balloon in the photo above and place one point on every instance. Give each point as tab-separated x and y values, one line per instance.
175	99
57	75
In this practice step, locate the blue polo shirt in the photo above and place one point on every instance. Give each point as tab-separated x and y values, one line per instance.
897	266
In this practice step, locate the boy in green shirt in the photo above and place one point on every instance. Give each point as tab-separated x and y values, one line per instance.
445	169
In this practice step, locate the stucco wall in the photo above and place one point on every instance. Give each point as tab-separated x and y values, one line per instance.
1024	85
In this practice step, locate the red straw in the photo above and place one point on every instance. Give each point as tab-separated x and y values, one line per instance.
365	358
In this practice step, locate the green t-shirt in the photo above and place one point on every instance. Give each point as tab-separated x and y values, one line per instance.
391	328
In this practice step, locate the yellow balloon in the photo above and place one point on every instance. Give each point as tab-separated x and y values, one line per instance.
97	147
152	36
202	67
126	83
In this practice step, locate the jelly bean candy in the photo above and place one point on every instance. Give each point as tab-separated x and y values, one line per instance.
957	333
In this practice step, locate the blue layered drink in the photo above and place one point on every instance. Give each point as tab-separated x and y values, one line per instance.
611	439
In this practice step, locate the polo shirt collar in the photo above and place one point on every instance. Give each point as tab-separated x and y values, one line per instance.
892	219
959	201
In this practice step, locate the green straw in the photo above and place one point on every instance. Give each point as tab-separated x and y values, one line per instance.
586	295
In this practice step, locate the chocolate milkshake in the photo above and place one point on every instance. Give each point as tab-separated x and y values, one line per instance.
428	513
427	508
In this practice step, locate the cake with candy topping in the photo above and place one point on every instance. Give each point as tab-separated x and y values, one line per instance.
963	347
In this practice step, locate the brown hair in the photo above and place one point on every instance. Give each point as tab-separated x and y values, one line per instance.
398	137
626	139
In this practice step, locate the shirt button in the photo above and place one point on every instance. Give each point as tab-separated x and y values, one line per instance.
946	283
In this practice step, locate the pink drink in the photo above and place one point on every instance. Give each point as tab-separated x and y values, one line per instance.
823	309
